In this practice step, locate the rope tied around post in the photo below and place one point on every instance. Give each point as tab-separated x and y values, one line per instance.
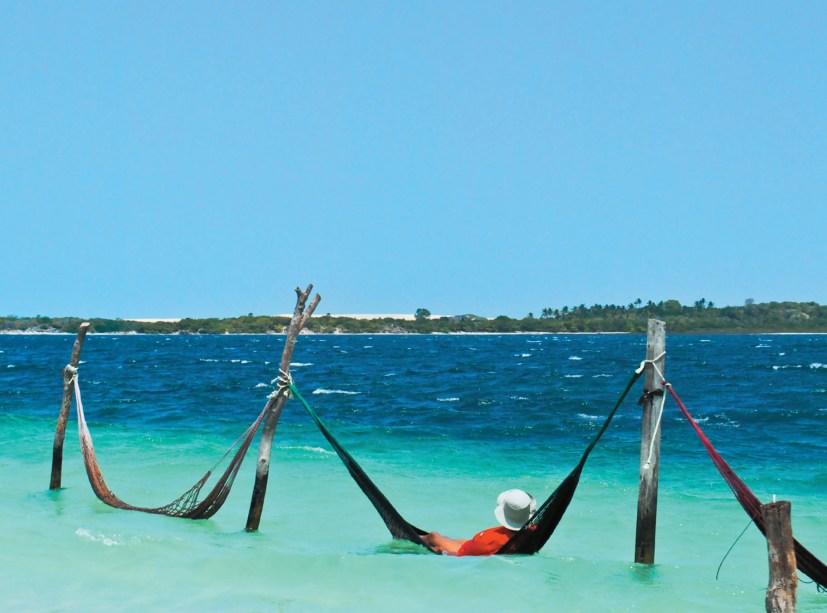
650	395
284	385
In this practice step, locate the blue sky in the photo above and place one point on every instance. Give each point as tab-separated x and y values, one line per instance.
205	158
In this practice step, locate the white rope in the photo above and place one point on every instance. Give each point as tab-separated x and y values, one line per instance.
284	381
648	463
82	428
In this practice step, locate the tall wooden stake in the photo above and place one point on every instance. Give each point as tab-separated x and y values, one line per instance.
647	504
781	591
300	317
65	406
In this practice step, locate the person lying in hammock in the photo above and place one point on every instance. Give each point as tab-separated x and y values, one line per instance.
514	509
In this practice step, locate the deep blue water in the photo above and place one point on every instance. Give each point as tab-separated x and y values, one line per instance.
750	393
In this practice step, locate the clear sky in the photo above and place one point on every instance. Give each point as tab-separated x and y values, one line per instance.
168	159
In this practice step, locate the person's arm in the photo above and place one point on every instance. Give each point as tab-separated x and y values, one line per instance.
442	544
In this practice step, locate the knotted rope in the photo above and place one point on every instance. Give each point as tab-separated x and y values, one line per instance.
648	463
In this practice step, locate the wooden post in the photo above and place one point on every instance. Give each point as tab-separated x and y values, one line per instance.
652	400
300	317
65	406
781	591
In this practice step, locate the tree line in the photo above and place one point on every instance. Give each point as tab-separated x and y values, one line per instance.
702	317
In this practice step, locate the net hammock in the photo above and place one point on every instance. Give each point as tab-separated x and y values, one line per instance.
806	562
530	539
188	505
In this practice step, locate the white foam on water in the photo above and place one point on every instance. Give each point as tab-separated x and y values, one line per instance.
589	417
522	355
318	450
575	357
327	391
815	365
260	385
573	376
99	538
601	375
451	399
300	364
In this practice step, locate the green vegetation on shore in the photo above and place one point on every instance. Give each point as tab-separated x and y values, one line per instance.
702	317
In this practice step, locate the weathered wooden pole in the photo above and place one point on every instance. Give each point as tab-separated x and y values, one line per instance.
65	406
781	591
297	323
652	401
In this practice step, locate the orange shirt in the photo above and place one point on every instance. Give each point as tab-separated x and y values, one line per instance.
486	542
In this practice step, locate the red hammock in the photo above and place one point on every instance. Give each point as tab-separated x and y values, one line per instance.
805	560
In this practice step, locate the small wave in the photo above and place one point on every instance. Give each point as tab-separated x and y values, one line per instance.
706	340
300	364
534	341
326	391
260	385
573	376
9	365
589	417
367	347
98	538
206	360
601	375
816	365
318	450
239	361
761	346
575	357
786	366
451	399
522	355
517	398
390	374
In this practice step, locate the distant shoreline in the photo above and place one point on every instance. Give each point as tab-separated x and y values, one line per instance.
701	318
312	333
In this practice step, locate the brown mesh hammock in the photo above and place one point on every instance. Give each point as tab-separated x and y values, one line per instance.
187	505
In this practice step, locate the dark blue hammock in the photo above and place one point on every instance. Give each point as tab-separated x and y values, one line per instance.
530	539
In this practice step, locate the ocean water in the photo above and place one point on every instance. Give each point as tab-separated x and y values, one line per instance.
442	424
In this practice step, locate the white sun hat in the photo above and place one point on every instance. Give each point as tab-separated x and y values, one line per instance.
514	508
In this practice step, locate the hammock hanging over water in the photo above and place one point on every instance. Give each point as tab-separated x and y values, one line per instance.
806	562
530	539
188	504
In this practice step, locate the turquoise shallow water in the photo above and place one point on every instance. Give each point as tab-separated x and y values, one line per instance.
442	424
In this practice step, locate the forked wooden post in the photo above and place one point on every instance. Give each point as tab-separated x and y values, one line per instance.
65	406
781	591
300	318
647	504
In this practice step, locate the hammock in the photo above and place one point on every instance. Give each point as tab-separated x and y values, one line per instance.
187	505
530	539
806	562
